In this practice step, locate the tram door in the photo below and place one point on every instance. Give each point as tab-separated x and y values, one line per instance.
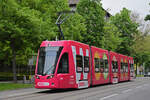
81	61
63	71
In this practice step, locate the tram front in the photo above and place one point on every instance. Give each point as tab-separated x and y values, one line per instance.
48	58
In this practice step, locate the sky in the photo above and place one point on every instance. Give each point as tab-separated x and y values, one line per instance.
139	6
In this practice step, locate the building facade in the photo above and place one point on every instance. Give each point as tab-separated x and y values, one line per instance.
73	4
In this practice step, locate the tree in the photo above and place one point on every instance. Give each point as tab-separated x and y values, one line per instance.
127	28
25	23
140	47
72	28
143	26
93	14
147	17
111	39
17	24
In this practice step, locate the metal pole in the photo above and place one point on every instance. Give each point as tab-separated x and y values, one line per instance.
61	33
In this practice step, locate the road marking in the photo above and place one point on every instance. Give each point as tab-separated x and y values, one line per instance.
146	84
138	87
125	91
108	96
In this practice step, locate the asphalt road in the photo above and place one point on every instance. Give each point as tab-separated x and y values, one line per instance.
138	89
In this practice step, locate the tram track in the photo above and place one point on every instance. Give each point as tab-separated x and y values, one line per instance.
70	93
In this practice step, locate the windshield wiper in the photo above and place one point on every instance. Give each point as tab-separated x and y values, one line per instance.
49	69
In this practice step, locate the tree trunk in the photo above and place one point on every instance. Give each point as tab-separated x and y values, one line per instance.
14	65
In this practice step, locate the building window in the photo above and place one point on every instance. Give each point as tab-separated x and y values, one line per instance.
79	63
63	64
86	64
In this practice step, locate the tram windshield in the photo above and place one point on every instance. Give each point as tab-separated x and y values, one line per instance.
48	57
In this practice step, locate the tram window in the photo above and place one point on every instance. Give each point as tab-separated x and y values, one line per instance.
113	66
96	62
106	65
122	67
116	64
79	63
126	67
101	65
63	64
86	64
131	68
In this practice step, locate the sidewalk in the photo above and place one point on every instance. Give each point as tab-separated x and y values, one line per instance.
18	92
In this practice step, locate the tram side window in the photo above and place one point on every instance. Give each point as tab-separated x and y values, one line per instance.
126	67
116	64
79	63
96	62
63	64
106	65
101	65
131	68
113	66
122	67
86	64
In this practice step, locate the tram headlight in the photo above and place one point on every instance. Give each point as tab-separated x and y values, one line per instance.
52	84
37	77
49	77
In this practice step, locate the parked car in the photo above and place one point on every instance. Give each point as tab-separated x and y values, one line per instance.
147	74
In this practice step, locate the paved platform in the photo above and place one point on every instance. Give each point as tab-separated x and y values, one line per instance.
18	92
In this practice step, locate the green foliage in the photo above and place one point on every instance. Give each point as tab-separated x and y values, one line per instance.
127	28
111	39
139	75
93	14
147	17
147	65
12	86
74	28
141	49
24	24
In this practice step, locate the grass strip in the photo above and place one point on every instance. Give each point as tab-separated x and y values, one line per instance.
139	75
12	86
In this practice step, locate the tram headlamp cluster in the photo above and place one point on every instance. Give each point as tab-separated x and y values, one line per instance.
51	76
52	84
37	77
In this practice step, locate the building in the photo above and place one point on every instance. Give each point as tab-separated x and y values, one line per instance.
73	4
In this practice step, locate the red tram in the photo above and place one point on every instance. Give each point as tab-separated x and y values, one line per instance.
71	64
